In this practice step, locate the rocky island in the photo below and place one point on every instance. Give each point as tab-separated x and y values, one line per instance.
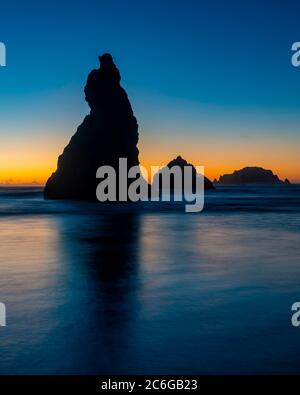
251	176
181	163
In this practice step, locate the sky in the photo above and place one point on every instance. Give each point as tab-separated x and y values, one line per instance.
211	81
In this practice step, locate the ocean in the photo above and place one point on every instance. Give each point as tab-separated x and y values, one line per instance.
146	288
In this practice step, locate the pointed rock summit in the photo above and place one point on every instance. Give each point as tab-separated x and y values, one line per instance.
108	133
180	162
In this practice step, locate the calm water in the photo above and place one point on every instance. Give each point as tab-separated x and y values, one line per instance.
146	288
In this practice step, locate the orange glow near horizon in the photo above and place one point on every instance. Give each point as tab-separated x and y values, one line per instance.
221	157
33	162
28	162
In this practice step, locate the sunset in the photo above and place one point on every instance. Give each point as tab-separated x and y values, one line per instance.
31	162
205	98
220	145
149	194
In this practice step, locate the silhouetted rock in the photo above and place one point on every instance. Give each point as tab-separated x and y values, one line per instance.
181	163
108	133
250	175
286	181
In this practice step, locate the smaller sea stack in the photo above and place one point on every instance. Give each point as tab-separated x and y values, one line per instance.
251	176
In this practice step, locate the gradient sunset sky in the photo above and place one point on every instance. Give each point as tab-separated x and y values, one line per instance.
209	80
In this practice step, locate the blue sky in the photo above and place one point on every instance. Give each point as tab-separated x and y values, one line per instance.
206	72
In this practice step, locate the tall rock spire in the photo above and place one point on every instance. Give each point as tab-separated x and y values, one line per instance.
108	133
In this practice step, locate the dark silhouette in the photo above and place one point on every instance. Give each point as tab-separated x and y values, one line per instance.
108	133
180	162
251	175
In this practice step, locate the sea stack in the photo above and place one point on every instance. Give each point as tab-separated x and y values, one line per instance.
181	163
108	133
251	176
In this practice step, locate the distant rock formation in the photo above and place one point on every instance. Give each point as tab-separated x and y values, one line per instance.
180	162
108	133
251	175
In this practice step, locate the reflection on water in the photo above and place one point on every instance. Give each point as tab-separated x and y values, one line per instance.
122	290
